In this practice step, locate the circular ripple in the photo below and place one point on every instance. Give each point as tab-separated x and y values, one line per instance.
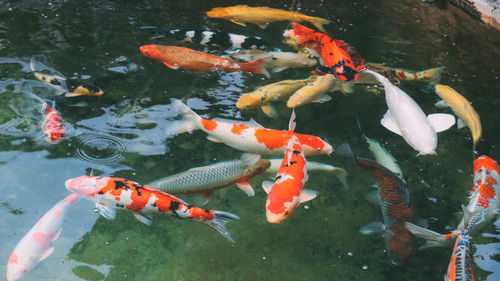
101	149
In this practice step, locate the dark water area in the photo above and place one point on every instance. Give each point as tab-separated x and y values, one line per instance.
122	134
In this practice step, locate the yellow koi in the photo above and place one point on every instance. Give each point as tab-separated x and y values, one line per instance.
313	92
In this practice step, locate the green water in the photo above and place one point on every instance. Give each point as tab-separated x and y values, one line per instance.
122	134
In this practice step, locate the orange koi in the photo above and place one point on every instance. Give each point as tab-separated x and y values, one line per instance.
110	193
181	57
53	126
333	52
286	193
246	136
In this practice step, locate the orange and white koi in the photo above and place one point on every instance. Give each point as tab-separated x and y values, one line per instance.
432	75
181	57
246	136
482	208
203	181
286	193
34	247
53	125
110	193
333	52
460	266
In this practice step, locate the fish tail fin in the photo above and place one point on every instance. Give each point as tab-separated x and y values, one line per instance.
433	74
219	222
291	123
318	23
345	150
188	123
433	239
257	67
341	175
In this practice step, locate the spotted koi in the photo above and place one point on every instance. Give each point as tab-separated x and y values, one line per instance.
53	125
69	87
246	136
111	193
460	266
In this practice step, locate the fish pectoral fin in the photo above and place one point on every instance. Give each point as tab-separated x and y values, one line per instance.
245	187
307	195
279	68
173	66
143	218
460	123
47	253
267	185
322	99
374	197
269	110
441	104
373	227
212	138
441	121
250	158
238	22
390	124
262	25
253	124
202	198
105	211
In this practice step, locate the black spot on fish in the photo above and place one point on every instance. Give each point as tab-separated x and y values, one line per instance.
137	188
100	192
189	207
220	39
174	205
331	54
120	206
120	185
278	177
207	211
178	34
197	36
154	205
253	43
296	152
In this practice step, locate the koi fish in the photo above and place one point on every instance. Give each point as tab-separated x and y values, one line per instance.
53	125
333	52
262	16
275	92
69	87
205	180
432	75
393	196
181	57
382	155
279	60
246	136
110	193
460	266
213	38
405	118
466	114
34	246
481	210
313	92
339	173
286	193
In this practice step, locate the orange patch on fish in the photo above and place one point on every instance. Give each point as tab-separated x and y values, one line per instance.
272	139
208	124
237	129
311	141
13	258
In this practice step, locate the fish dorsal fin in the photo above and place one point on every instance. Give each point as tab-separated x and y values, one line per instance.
267	185
373	227
47	253
172	66
374	197
460	123
105	211
143	218
441	121
238	22
389	123
269	110
250	158
467	216
307	195
253	124
291	123
245	187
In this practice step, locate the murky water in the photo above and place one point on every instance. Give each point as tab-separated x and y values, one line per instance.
122	133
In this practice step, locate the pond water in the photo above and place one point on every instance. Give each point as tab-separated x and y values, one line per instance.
122	134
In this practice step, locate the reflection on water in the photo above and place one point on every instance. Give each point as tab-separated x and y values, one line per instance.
123	133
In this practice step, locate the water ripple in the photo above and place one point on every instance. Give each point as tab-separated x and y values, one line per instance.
100	149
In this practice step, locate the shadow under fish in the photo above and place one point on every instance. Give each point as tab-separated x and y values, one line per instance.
394	198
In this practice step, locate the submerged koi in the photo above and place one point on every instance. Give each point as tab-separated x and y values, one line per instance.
181	57
314	91
69	87
110	193
34	247
286	193
246	136
432	75
53	126
481	210
278	61
205	180
262	16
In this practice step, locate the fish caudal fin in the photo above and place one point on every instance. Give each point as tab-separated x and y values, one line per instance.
345	150
188	123
433	74
219	222
257	67
433	239
341	175
318	23
291	123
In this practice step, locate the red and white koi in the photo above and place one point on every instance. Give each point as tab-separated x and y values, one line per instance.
460	266
286	193
246	136
203	181
53	125
35	246
482	208
110	193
